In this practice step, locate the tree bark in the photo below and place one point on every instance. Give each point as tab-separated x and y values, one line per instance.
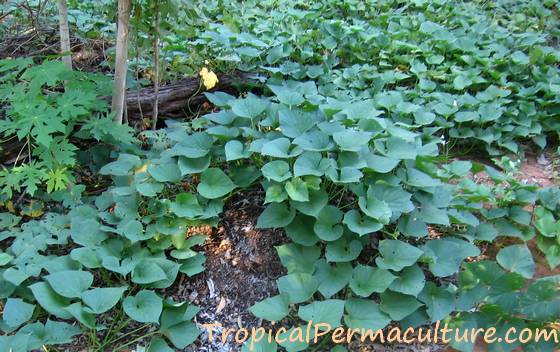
156	69
64	33
121	61
175	97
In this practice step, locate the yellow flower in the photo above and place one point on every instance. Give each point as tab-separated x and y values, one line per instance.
209	78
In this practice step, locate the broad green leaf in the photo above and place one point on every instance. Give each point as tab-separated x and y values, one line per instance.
100	300
343	250
364	314
520	57
375	208
280	148
347	175
410	281
300	230
317	201
189	166
397	305
220	99
276	215
332	278
133	230
314	141
147	272
287	95
244	175
461	82
192	146
186	205
299	287
518	259
57	332
214	183
235	150
411	225
323	312
399	149
121	166
380	164
485	232
181	334
297	190
367	280
145	307
298	259
149	189
250	107
50	300
78	312
359	225
545	223
293	123
165	172
439	301
272	309
17	312
275	194
70	283
193	266
260	346
417	178
158	345
312	163
294	340
351	140
327	227
395	197
447	255
396	255
424	117
277	170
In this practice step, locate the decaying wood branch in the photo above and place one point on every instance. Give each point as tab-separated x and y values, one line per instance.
173	98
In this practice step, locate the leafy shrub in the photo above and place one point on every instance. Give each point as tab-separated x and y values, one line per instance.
39	112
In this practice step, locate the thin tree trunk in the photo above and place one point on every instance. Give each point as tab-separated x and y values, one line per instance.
137	15
64	32
156	69
121	61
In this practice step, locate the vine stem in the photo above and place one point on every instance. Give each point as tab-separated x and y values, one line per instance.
321	344
136	340
122	336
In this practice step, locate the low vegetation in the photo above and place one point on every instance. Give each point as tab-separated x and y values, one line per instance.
368	130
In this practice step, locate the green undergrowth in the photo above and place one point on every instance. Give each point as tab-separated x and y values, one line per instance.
336	183
352	143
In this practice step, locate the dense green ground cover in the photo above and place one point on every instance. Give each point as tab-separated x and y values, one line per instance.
353	138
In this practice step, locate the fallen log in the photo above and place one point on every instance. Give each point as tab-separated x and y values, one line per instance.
175	97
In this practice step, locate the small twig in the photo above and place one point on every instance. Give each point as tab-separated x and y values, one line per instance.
19	154
24	43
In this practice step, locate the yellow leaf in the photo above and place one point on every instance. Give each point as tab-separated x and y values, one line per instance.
33	209
209	78
10	207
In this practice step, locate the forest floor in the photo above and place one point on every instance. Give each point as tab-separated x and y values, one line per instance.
242	266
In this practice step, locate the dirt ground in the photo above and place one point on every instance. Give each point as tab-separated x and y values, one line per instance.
241	269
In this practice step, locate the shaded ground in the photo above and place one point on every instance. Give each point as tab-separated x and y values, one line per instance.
241	269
